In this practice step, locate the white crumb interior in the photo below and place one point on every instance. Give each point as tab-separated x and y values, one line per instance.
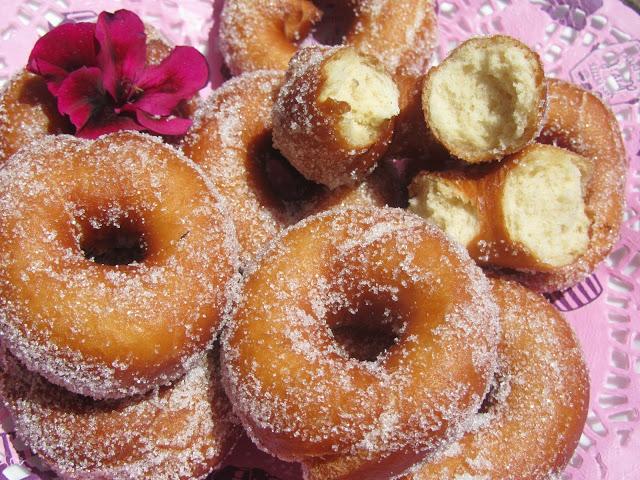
482	98
442	203
543	205
371	94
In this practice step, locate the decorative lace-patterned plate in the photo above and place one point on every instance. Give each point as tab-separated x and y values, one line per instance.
593	43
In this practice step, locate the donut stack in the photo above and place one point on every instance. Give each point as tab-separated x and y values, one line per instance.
343	257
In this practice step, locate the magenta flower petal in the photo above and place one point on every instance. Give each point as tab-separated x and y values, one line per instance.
81	95
122	50
63	50
164	126
180	76
102	125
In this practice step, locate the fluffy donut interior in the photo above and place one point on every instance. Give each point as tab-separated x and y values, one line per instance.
370	93
483	97
441	202
543	204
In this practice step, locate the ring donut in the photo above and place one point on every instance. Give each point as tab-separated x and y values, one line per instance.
346	267
264	34
116	262
580	122
231	140
180	432
538	406
28	111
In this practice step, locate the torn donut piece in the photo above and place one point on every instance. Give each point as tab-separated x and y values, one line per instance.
527	213
334	117
486	100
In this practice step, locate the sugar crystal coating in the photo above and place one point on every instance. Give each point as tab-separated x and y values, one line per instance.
111	329
182	431
400	33
537	406
231	141
301	395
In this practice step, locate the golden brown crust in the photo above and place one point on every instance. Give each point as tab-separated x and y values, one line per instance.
265	34
73	307
534	118
307	131
579	121
538	407
180	432
353	265
231	129
28	112
232	141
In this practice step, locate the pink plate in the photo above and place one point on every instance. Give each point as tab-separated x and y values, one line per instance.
593	43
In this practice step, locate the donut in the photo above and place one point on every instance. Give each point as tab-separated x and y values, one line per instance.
527	212
265	34
486	100
28	111
333	118
231	140
531	422
180	432
580	122
117	262
298	392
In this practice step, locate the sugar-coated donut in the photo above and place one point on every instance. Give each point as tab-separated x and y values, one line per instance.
532	420
579	121
28	111
527	212
229	131
232	141
487	99
334	116
298	392
265	34
117	262
180	432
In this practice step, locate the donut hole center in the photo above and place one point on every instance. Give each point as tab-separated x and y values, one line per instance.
497	395
338	19
277	175
367	330
113	241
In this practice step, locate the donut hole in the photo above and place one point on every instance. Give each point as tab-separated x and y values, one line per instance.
113	241
276	174
497	395
338	19
365	94
366	328
483	99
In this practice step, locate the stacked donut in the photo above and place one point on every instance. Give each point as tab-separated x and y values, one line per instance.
118	268
148	291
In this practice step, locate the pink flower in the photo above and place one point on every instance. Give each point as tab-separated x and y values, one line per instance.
98	74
